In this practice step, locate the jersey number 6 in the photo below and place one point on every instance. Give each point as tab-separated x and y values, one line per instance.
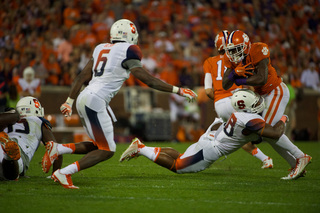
101	62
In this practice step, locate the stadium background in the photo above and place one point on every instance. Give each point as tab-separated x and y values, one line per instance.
56	38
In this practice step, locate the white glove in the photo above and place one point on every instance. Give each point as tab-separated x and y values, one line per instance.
66	108
188	93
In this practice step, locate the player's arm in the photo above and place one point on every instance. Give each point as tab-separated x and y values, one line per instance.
261	77
153	82
275	131
133	63
228	78
8	118
47	136
84	76
208	85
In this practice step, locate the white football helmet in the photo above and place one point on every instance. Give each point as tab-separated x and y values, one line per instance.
245	100
124	30
29	106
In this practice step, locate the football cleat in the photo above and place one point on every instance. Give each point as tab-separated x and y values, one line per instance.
291	171
299	170
10	147
49	156
267	163
64	180
132	151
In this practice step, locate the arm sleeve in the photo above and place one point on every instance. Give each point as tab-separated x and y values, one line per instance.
208	81
132	63
46	123
255	124
133	53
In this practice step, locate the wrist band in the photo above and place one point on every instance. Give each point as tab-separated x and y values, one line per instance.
175	89
283	119
70	101
240	81
231	76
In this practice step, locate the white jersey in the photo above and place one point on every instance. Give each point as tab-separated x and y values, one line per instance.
28	133
237	131
108	71
229	137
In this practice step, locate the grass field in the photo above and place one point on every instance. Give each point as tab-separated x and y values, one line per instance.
236	184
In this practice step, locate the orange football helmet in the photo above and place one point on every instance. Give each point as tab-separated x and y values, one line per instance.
238	46
221	39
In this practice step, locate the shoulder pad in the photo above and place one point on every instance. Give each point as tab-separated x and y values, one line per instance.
46	123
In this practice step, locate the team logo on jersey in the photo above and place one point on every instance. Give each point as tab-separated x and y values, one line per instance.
265	51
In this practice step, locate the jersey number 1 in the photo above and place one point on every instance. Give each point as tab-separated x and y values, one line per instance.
219	70
101	62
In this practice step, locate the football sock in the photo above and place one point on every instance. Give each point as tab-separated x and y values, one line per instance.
66	148
285	143
259	154
71	169
151	153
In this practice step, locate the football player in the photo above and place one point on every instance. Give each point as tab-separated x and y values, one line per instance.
110	66
243	126
214	70
21	132
249	64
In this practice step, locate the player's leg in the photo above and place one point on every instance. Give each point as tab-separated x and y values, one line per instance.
256	152
165	157
196	158
9	156
277	101
99	127
137	148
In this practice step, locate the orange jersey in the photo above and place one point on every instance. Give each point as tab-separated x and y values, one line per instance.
258	52
215	66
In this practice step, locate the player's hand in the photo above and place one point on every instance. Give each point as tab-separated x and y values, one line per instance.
244	71
66	109
188	93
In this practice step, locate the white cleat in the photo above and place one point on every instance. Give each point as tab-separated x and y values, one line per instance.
132	151
64	180
299	170
50	156
267	163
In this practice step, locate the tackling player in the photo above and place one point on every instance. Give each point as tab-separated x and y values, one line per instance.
22	131
243	126
214	70
249	64
109	67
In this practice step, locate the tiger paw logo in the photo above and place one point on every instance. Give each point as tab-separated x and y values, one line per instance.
245	37
265	51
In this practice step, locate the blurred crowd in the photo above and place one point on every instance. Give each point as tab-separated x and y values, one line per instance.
54	39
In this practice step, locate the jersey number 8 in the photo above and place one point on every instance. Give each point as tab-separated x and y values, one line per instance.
229	127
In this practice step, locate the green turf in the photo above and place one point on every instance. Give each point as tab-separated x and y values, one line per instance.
236	184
